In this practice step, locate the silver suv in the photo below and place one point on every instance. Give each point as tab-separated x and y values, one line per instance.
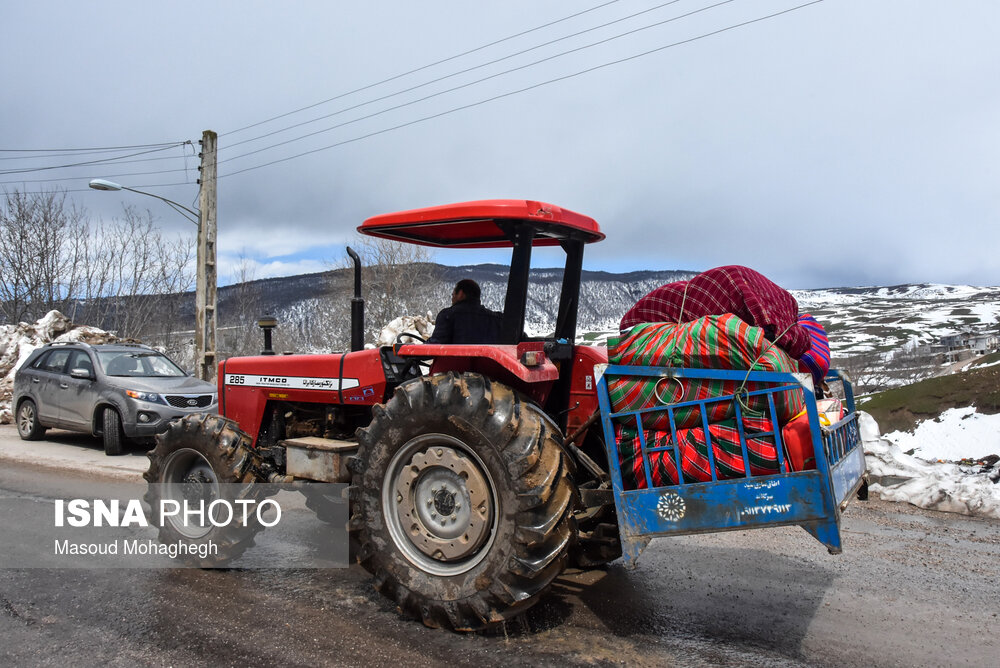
118	391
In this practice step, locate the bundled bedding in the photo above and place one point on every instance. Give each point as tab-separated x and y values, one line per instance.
712	342
734	289
729	318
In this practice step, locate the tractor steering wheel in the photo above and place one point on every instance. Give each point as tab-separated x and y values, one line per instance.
414	363
399	338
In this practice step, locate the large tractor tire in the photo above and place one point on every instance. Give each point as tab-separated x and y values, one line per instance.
194	459
462	501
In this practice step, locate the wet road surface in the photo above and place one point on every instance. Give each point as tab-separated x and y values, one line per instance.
913	588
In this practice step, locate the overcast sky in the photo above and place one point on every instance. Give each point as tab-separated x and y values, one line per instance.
848	142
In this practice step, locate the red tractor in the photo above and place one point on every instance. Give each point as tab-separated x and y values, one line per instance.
477	472
472	467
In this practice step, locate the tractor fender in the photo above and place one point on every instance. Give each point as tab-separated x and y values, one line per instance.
524	367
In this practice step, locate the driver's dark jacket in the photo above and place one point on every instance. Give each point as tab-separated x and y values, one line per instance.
466	322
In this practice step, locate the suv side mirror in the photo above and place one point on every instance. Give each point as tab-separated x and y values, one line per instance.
82	374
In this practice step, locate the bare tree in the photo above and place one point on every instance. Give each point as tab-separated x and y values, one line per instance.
36	268
912	363
17	254
175	282
238	317
132	267
867	370
398	279
112	275
320	325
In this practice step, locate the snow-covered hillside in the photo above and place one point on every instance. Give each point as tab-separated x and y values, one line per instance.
889	318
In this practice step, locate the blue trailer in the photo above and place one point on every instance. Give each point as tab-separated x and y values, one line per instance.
812	499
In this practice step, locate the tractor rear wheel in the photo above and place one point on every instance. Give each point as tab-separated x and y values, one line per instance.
203	457
462	501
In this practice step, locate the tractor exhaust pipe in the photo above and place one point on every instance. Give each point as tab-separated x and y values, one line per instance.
357	306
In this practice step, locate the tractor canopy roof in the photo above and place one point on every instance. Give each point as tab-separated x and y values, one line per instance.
483	224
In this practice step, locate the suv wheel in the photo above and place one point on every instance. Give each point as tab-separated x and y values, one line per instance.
28	427
114	437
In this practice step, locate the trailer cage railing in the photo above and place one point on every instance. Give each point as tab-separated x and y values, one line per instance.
812	499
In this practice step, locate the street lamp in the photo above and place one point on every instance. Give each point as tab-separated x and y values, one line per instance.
205	286
190	214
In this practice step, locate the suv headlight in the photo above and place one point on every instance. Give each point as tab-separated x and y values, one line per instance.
146	396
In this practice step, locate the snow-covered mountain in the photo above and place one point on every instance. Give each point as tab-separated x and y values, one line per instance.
858	319
889	318
604	297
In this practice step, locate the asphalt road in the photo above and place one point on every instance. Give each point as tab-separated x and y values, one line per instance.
913	588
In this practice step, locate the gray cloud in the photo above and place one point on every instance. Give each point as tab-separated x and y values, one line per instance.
844	143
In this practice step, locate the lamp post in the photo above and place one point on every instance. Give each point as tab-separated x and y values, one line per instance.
205	287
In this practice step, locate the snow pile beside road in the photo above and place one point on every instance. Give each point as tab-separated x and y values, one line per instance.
970	487
18	341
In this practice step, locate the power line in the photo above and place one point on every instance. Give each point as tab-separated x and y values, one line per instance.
483	79
55	155
88	162
459	72
421	68
99	149
113	162
528	88
109	176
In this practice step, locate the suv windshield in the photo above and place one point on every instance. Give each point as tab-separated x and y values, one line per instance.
141	364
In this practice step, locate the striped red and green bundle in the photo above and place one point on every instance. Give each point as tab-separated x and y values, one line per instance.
725	438
712	342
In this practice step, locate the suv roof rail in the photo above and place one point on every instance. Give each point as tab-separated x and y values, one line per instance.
122	344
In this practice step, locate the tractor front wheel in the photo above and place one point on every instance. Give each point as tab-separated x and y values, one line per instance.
199	459
462	501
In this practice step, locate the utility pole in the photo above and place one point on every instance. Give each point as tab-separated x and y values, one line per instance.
205	284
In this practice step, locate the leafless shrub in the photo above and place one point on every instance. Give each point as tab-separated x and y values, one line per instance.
37	262
867	370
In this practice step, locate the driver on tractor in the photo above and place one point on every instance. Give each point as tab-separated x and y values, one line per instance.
466	320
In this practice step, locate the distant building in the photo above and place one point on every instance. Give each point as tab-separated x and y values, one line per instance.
984	344
965	345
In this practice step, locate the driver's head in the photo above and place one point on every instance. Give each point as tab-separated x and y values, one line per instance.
466	290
